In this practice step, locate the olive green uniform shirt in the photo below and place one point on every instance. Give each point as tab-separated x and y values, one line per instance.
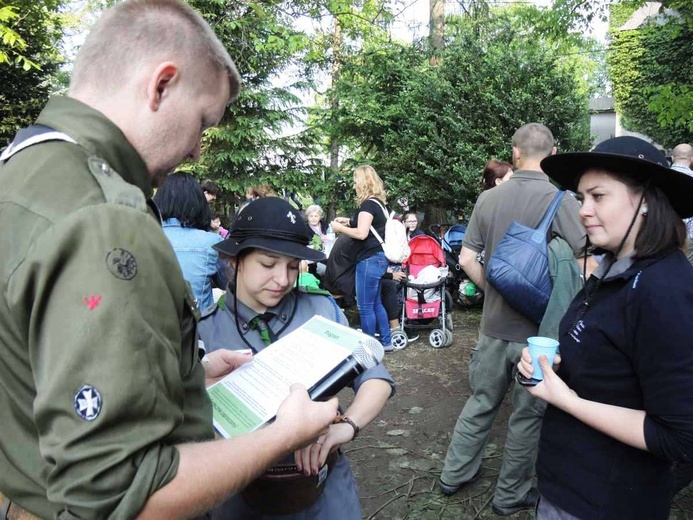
92	300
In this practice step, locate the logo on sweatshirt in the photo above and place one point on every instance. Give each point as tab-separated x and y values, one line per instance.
577	329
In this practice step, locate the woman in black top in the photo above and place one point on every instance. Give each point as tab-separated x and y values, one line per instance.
620	407
371	263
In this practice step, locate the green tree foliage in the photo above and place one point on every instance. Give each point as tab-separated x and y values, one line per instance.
11	43
651	70
649	67
278	48
429	130
25	83
255	142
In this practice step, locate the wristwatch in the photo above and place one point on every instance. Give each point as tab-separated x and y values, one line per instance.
345	419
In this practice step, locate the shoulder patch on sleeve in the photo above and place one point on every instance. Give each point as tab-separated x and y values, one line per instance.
114	188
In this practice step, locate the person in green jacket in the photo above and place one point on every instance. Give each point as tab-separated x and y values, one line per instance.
103	405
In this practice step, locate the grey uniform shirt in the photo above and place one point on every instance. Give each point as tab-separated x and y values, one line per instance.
218	328
524	199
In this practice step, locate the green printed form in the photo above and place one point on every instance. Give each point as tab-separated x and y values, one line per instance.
335	333
250	396
231	416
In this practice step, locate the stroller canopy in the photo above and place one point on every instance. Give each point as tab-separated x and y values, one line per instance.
452	241
425	251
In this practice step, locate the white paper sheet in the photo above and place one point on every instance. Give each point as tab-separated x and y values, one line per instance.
250	396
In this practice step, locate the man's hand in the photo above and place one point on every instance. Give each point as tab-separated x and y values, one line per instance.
222	362
303	420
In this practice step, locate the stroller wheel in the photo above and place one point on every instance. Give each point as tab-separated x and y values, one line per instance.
436	338
448	300
448	338
448	322
399	340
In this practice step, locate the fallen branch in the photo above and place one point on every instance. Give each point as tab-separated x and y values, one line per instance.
387	447
410	482
482	507
384	506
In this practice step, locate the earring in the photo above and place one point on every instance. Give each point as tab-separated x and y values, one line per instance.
643	210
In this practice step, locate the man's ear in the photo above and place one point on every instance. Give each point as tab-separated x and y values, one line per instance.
516	154
162	78
553	151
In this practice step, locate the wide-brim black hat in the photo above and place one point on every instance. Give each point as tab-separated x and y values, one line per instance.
630	156
270	224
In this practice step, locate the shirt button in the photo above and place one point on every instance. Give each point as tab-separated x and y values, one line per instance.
283	317
244	326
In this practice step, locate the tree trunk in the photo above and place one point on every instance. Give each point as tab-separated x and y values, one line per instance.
334	105
436	34
434	215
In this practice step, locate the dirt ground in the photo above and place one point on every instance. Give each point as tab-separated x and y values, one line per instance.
397	460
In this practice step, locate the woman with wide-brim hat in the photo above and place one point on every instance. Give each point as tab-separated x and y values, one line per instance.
265	247
621	402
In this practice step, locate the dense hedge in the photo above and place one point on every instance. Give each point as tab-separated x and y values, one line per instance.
651	72
429	130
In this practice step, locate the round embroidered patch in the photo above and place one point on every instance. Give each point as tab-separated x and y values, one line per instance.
121	264
87	403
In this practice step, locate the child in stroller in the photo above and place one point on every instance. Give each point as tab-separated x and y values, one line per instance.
426	304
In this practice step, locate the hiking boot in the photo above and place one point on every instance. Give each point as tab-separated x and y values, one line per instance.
529	502
448	489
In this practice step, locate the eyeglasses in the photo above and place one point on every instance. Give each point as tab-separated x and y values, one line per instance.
411	221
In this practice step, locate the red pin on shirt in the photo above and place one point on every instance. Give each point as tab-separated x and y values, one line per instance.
93	301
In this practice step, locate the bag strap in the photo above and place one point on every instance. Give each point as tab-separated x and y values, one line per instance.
382	206
546	220
31	135
375	233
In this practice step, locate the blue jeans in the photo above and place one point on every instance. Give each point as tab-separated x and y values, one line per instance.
369	273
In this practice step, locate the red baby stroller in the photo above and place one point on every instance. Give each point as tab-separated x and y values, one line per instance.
425	304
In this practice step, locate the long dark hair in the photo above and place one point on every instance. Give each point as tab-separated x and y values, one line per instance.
663	230
182	197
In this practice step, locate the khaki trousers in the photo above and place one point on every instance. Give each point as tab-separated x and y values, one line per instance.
491	374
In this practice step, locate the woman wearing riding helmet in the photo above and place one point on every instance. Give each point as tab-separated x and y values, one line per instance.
620	409
265	247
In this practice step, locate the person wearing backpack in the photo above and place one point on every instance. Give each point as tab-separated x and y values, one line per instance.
524	199
371	262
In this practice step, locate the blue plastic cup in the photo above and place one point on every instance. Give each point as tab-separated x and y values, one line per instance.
541	346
